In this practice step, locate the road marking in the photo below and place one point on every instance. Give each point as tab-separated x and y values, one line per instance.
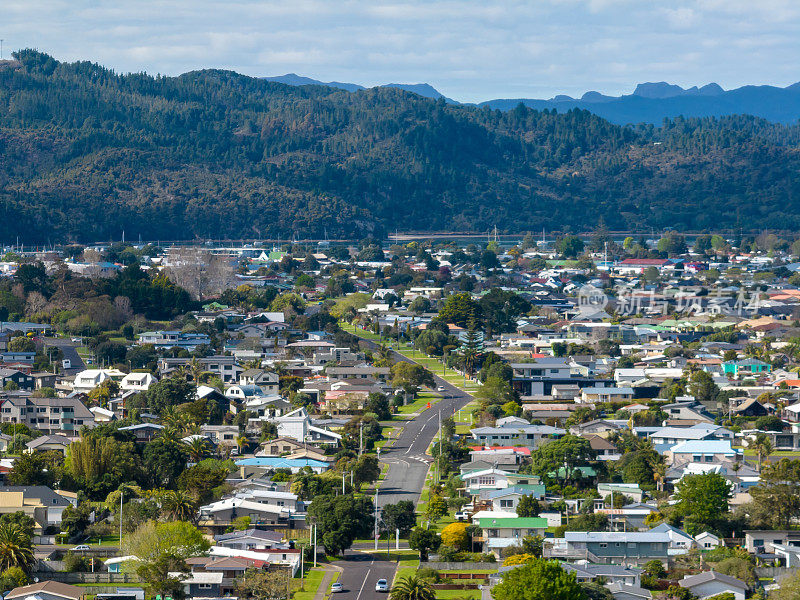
365	582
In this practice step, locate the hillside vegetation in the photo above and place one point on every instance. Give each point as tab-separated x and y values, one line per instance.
86	153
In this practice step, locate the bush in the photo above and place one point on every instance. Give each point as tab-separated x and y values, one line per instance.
74	563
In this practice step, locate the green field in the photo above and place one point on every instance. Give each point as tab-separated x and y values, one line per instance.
311	584
407	350
460	594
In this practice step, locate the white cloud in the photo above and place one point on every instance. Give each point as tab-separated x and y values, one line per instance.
468	49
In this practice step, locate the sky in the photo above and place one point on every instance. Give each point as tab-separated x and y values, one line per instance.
470	50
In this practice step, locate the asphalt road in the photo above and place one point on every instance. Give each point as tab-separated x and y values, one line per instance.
70	353
408	466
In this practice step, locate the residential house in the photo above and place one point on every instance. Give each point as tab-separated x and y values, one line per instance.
749	408
710	583
623	591
507	499
297	425
21	380
628	547
39	502
606	394
529	436
631	490
503	529
538	378
87	380
137	382
761	541
680	541
708	541
746	367
221	435
224	367
609	573
266	380
356	373
252	539
705	451
46	590
48	415
43	443
144	432
221	514
163	340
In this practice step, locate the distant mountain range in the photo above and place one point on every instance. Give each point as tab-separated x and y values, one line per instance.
653	102
421	89
649	102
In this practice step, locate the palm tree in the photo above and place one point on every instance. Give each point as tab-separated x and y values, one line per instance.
15	548
412	587
180	506
197	448
762	446
241	443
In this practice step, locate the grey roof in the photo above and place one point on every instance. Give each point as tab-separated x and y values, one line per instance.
695	580
615	536
253	533
43	493
49	439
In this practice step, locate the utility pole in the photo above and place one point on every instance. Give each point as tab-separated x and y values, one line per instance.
343	492
121	494
315	545
360	437
376	518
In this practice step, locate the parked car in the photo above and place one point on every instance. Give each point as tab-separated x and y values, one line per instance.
462	516
382	586
80	548
336	588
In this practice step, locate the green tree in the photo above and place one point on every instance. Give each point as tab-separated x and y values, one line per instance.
702	500
538	580
762	446
458	308
16	548
163	461
437	508
569	246
569	452
496	391
412	587
399	516
528	506
423	541
341	519
411	376
179	506
776	498
31	469
262	585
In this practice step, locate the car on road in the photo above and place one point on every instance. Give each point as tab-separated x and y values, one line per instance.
80	548
440	388
77	340
336	588
382	586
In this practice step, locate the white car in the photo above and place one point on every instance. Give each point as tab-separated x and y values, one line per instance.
462	516
382	586
336	588
80	548
440	389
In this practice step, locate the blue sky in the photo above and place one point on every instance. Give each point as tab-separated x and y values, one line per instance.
469	50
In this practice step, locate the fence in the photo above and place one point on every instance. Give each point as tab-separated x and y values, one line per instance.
461	566
103	577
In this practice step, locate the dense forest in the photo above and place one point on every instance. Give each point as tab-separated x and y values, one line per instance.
86	153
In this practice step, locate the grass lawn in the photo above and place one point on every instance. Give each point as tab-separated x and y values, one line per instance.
460	594
407	350
312	582
420	403
110	540
779	453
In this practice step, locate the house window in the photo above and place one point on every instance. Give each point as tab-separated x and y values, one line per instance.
617	544
506	504
709	457
493	533
603	545
696	458
205	586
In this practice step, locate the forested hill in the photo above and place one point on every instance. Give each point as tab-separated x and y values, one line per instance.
86	153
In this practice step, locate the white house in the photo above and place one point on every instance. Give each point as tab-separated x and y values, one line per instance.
711	583
297	425
87	380
707	541
137	382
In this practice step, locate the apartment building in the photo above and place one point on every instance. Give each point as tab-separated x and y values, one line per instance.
48	415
